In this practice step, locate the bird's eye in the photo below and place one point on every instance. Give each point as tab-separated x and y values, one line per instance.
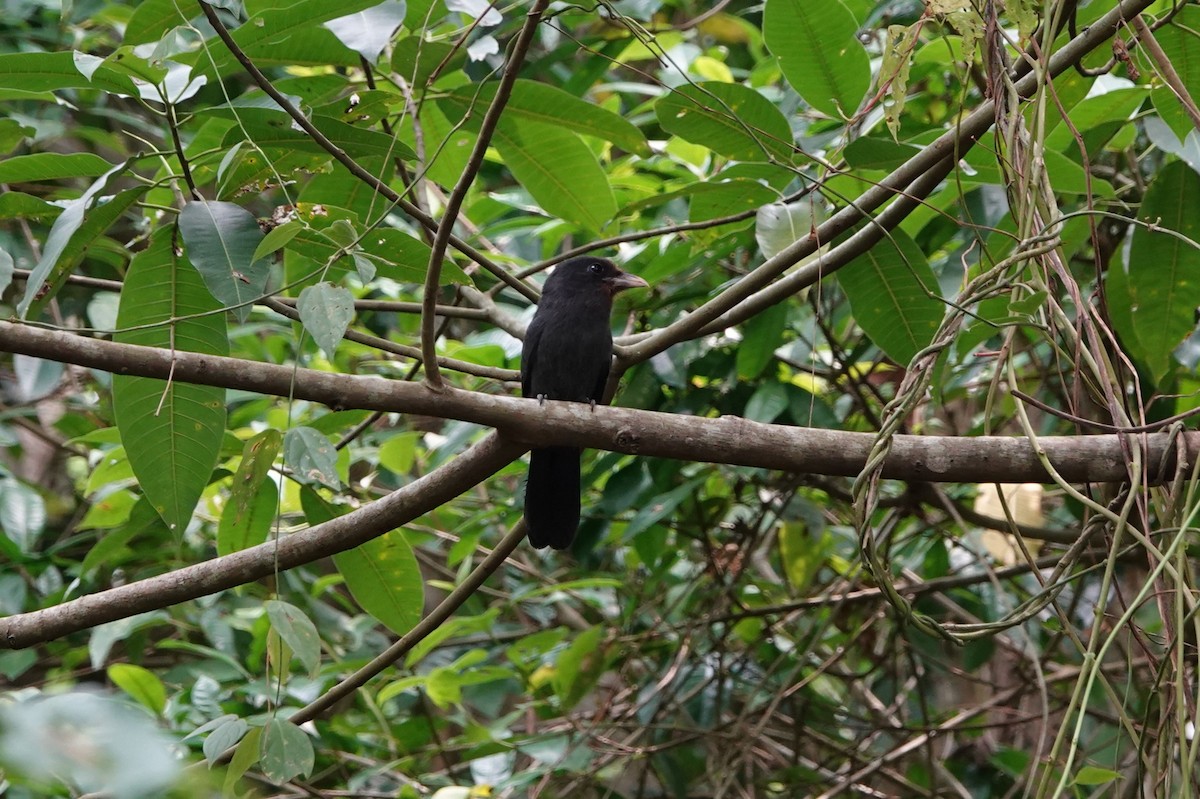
596	268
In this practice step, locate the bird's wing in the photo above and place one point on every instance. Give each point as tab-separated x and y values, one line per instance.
529	357
602	380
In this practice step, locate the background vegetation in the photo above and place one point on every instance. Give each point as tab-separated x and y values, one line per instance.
255	542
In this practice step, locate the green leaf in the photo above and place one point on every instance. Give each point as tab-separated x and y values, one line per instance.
1164	270
47	72
221	239
286	751
22	514
171	431
383	577
153	18
871	153
276	240
399	452
579	666
532	101
246	755
225	735
803	554
730	119
1182	47
1094	775
714	199
273	132
893	294
559	170
141	684
102	638
311	457
253	499
18	205
661	506
78	226
246	520
143	519
819	53
298	632
761	336
326	311
52	166
767	402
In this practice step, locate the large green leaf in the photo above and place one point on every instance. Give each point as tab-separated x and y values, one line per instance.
171	430
221	239
1182	46
819	53
540	102
273	132
714	199
247	516
384	579
51	166
286	751
47	72
893	294
153	18
76	229
727	118
559	170
1164	271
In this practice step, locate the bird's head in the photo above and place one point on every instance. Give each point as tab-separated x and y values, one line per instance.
591	274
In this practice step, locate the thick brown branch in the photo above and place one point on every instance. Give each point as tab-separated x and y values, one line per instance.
727	439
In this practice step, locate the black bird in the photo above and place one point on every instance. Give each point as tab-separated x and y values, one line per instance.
567	356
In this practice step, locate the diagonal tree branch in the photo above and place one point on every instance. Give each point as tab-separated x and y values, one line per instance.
337	535
939	154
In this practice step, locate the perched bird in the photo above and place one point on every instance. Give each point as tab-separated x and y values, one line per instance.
567	356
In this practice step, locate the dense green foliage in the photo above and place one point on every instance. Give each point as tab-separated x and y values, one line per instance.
717	630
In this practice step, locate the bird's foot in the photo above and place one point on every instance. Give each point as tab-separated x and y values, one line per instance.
541	398
592	402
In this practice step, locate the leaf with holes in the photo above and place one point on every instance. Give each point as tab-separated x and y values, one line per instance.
326	311
311	457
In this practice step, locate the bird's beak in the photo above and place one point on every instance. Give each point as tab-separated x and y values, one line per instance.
623	280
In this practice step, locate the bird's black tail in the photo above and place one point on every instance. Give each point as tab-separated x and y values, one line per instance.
552	497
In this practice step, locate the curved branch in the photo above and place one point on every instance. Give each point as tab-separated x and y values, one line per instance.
726	439
345	532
